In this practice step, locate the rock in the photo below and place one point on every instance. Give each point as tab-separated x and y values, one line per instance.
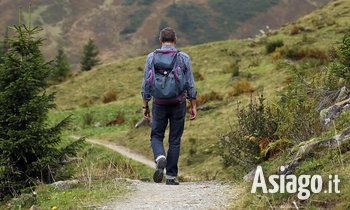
65	184
205	107
143	122
329	114
343	94
97	125
34	207
250	176
304	148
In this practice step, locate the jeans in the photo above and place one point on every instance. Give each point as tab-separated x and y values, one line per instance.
161	114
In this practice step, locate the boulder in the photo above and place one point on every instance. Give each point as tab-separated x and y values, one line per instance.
343	94
250	176
65	184
327	115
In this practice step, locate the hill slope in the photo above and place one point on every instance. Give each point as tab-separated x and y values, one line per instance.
124	28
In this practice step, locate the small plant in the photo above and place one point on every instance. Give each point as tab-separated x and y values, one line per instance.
295	53
108	97
198	76
88	119
118	120
270	47
192	151
206	97
240	87
295	30
341	66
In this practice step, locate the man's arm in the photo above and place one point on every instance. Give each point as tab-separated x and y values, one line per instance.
146	96
191	89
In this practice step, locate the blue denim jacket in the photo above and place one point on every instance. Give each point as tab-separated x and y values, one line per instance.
191	89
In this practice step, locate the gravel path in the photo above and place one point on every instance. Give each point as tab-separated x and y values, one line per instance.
187	195
121	150
149	195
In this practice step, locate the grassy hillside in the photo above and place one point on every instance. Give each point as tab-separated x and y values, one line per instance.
127	28
307	43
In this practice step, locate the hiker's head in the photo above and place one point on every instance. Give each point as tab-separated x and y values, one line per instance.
167	36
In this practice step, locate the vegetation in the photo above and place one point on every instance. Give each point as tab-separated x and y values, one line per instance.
341	66
135	21
4	47
89	58
30	151
61	66
273	45
96	169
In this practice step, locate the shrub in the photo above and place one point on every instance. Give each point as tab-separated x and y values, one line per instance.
270	47
198	76
206	97
341	66
108	97
235	149
118	120
295	53
241	86
256	128
295	30
88	119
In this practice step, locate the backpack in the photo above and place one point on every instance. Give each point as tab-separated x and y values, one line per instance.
166	79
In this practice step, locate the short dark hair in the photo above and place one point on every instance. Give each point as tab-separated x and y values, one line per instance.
167	35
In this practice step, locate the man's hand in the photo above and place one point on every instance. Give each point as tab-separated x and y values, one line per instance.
146	113
193	110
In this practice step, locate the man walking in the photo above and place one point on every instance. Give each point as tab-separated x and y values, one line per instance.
168	78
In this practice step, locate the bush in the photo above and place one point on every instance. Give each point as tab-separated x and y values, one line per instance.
270	47
108	97
198	76
241	86
341	66
118	120
88	119
257	127
295	53
206	97
235	150
295	30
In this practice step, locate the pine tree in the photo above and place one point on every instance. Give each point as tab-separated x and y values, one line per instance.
4	46
28	145
89	58
61	66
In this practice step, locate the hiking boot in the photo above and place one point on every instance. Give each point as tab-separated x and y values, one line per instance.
159	173
172	182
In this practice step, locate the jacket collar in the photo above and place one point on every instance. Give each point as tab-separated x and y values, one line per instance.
168	47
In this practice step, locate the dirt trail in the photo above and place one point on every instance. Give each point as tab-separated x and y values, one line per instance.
188	195
121	150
